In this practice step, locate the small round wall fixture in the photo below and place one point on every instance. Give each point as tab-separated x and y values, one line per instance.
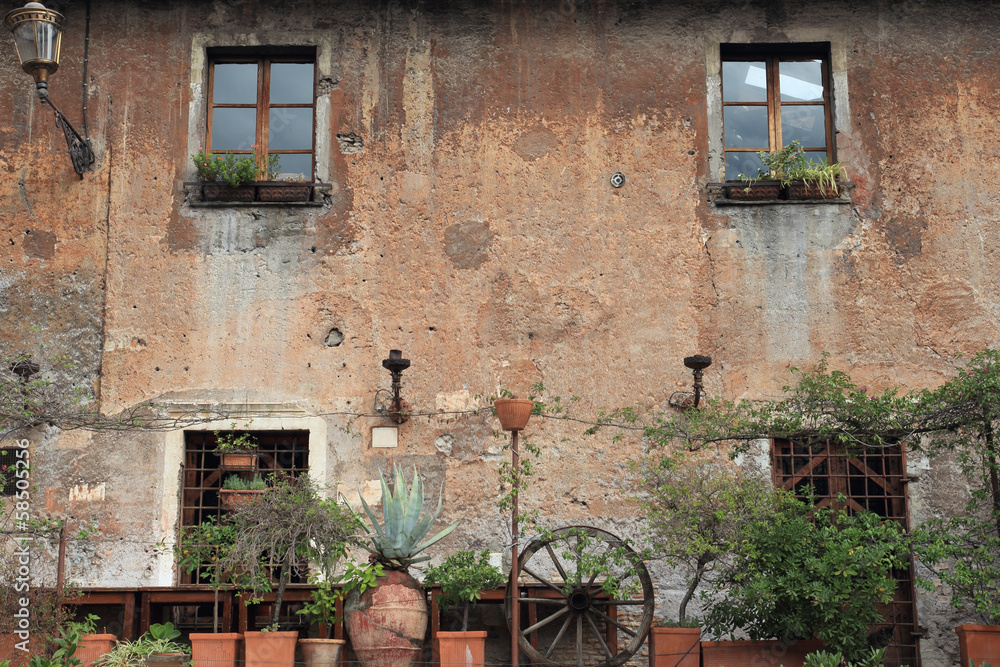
617	179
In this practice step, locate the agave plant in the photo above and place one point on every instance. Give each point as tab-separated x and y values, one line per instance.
396	542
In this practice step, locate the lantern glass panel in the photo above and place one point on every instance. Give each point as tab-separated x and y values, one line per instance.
37	40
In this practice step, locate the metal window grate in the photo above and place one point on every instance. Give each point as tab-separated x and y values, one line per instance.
873	479
279	451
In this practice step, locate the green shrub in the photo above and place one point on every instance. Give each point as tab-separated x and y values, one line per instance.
810	571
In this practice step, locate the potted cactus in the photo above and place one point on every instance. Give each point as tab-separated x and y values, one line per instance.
462	578
387	622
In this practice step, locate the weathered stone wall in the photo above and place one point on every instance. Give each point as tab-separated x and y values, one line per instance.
477	231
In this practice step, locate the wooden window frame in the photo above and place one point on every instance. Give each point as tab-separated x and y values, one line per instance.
772	55
263	105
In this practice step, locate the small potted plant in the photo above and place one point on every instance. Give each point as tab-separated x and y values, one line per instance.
158	645
91	645
387	621
289	525
462	578
226	177
236	491
237	451
203	548
804	574
790	172
695	504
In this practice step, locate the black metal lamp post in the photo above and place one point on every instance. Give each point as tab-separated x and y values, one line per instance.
38	39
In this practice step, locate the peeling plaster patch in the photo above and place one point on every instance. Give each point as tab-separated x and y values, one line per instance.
448	401
39	245
350	143
535	143
84	493
370	490
467	244
445	443
6	282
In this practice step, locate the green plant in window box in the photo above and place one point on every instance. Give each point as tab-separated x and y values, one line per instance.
791	165
237	483
234	169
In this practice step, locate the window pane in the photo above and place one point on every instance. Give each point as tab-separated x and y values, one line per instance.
235	83
801	81
744	82
742	163
233	129
746	127
805	124
295	167
290	129
291	83
816	156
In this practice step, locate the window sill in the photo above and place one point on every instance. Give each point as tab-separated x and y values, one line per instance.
261	193
717	194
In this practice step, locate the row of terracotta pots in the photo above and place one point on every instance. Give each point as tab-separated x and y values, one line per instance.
682	647
263	649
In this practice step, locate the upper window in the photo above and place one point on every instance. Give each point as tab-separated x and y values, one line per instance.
773	95
264	105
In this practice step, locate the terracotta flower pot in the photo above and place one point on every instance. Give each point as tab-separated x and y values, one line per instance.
222	192
755	191
978	643
239	461
674	647
270	649
231	499
462	649
321	652
387	622
283	191
219	649
811	191
513	413
769	653
92	647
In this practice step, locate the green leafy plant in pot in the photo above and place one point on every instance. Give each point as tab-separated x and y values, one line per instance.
389	628
160	639
695	503
806	571
286	527
463	577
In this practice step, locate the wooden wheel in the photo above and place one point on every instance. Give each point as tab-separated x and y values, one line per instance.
586	598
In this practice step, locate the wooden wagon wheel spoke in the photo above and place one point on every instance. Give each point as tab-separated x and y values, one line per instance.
613	622
545	621
597	633
592	564
555	561
562	632
542	580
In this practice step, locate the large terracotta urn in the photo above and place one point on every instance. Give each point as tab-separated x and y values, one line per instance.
387	623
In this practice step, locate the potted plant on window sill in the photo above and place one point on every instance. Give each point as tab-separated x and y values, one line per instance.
91	645
462	578
237	492
237	452
789	174
246	178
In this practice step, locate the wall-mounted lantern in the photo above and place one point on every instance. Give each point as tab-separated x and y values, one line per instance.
397	408
38	38
698	363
